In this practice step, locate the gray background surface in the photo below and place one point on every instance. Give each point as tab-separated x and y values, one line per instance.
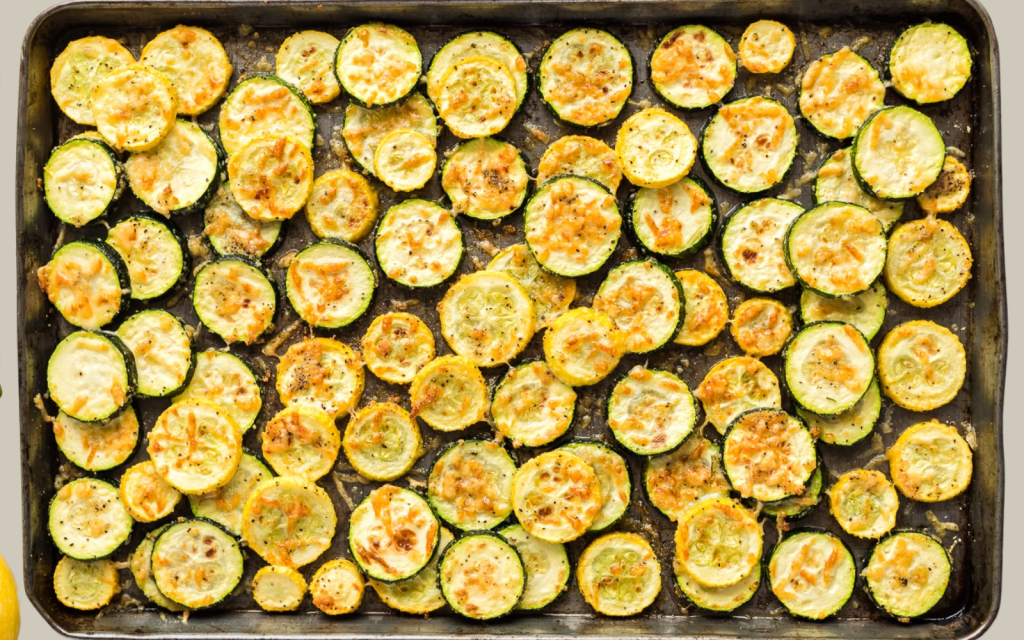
15	19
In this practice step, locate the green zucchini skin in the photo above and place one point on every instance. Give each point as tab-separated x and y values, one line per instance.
856	142
368	170
411	287
362	256
102	553
453	548
720	250
766	567
563	556
679	290
130	373
120	270
821	134
788	508
192	354
434	500
674	446
255	264
630	225
793	416
221	168
887	64
307	105
206	522
176	235
608	448
867	561
348	92
118	166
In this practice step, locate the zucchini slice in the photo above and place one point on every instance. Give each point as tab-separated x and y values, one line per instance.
572	226
547	567
145	494
619	574
850	426
337	587
838	92
737	385
761	326
674	221
583	346
271	177
798	506
705	309
232	232
363	128
551	294
949	191
531	407
301	441
586	76
768	455
141	564
485	178
97	446
82	181
766	47
557	496
930	462
676	481
224	506
749	145
470	484
227	381
921	365
812	573
265	105
330	284
487	318
82	64
930	62
612	473
87	281
419	594
235	298
864	503
155	252
91	376
837	182
85	585
392	534
418	243
178	175
928	262
836	249
134	106
397	346
898	137
162	347
720	599
581	156
829	367
478	43
342	205
278	588
288	521
482	576
655	148
477	97
693	67
644	300
322	373
87	519
382	442
195	62
449	394
866	310
907	573
752	244
196	446
378	64
196	564
405	160
306	60
718	542
651	411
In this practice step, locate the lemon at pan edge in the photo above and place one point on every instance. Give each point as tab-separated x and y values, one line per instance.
10	616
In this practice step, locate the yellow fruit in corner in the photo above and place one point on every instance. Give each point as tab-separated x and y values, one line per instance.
10	617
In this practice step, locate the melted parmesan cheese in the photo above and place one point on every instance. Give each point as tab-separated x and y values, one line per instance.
928	262
141	564
264	105
750	144
382	442
531	406
81	180
235	300
931	462
329	284
864	503
866	310
477	97
224	505
673	220
322	373
419	594
97	446
396	346
838	93
612	473
693	67
812	574
583	346
378	64
82	64
418	243
949	191
83	283
145	494
196	64
572	226
921	365
271	177
449	394
705	309
231	231
87	519
930	62
482	576
301	441
392	533
85	585
337	587
405	160
837	249
288	521
718	542
580	156
134	107
176	173
343	205
837	183
470	485
487	318
651	411
278	588
152	253
898	153
87	376
196	564
477	43
766	47
829	367
225	380
306	59
162	349
655	149
619	574
485	179
736	385
365	128
761	326
907	573
676	481
752	244
196	446
551	294
556	496
768	455
586	76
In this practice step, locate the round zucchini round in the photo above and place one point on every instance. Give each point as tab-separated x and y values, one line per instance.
850	426
768	455
838	92
930	63
812	572
363	128
78	68
145	494
719	599
898	136
195	62
88	282
155	253
829	367
865	310
644	299
478	43
229	382
392	533
531	407
585	76
231	231
420	594
405	160
330	284
718	542
752	244
613	475
482	576
907	573
97	446
236	298
135	107
87	519
264	103
477	97
547	568
485	178
378	64
180	174
556	496
580	156
196	563
271	176
306	59
619	574
470	484
674	482
225	505
78	363
418	244
674	221
749	145
82	181
162	347
693	67
651	411
343	205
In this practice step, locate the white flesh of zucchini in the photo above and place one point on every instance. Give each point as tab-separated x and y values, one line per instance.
752	244
263	105
547	567
178	172
866	310
392	534
196	564
135	107
378	64
478	43
642	299
83	282
750	144
676	481
83	63
329	285
97	446
586	76
231	231
162	347
419	594
487	317
87	519
225	380
153	255
470	485
837	183
907	573
768	455
930	62
812	574
736	385
196	446
850	426
482	576
903	138
234	299
836	249
288	521
921	365
141	564
89	377
322	373
449	394
674	219
721	599
838	93
556	496
531	406
693	67
81	180
619	574
195	62
829	367
651	411
418	243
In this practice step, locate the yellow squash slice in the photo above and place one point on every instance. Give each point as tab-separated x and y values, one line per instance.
931	462
449	394
145	494
718	542
766	47
322	373
271	177
655	148
134	107
278	588
382	442
921	365
583	346
82	64
556	496
301	441
487	317
195	62
619	574
337	587
196	446
288	521
396	346
343	205
928	263
864	503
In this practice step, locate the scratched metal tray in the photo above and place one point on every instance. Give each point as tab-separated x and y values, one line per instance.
252	32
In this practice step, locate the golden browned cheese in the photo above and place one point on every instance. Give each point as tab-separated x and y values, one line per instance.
145	494
693	67
761	326
271	177
196	64
580	156
135	107
342	205
839	91
586	75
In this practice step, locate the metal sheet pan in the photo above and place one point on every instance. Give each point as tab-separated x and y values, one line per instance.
969	122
